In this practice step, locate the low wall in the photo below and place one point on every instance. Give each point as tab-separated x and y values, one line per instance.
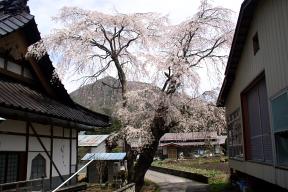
127	188
188	175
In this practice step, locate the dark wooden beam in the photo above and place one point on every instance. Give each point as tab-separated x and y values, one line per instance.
27	145
70	154
31	135
51	151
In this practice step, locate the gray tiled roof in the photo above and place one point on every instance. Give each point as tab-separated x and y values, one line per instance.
20	97
188	136
10	23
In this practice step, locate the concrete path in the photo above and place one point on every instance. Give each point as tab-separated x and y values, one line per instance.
171	183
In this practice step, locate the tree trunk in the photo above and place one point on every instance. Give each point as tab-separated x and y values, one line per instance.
130	162
143	163
145	160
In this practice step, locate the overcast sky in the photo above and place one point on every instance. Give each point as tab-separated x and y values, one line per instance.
178	10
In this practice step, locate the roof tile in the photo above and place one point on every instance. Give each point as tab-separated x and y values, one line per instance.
18	96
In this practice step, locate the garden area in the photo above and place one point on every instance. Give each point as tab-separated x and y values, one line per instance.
215	168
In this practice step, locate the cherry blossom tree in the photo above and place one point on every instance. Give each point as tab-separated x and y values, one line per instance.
94	43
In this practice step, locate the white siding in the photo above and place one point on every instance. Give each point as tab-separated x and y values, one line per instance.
271	23
12	143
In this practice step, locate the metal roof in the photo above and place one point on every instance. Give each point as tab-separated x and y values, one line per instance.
91	140
187	144
20	97
104	156
188	136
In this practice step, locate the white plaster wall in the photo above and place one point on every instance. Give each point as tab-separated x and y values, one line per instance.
13	126
74	133
41	129
66	132
12	142
164	150
57	131
74	150
34	144
61	149
31	156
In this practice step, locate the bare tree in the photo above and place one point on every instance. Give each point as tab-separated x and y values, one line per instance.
93	42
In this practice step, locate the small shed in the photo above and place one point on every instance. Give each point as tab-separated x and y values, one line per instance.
105	166
95	143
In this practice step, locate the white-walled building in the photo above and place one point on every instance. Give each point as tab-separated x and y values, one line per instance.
39	122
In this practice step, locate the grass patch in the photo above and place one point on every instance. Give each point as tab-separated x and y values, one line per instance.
215	168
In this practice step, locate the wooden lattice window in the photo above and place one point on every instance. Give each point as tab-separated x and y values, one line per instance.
9	167
235	146
38	167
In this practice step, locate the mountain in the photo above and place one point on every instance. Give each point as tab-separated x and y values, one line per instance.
100	96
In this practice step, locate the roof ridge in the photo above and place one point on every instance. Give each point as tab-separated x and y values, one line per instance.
14	6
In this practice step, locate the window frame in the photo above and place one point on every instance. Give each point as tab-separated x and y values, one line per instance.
277	133
7	153
234	119
23	72
44	175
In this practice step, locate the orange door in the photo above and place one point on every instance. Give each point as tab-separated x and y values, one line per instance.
172	153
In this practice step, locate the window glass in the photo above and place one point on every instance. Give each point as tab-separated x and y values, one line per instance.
2	168
27	73
235	148
2	63
282	148
38	167
12	168
14	67
280	113
9	165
